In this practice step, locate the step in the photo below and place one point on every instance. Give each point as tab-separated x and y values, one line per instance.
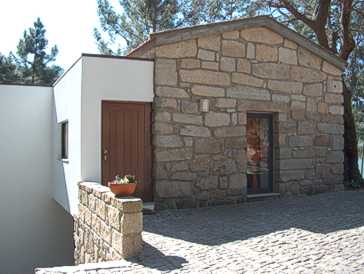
148	208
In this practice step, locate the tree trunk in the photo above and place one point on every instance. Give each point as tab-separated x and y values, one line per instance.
351	168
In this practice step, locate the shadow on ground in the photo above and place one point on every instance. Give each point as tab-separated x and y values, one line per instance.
154	259
323	213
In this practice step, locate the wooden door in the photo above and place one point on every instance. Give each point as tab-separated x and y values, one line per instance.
126	143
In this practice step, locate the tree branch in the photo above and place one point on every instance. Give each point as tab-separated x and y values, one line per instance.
348	40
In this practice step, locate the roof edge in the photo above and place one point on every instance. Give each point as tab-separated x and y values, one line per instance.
186	33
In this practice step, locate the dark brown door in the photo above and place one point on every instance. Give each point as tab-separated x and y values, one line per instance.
126	144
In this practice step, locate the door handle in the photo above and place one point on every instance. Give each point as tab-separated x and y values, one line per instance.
106	153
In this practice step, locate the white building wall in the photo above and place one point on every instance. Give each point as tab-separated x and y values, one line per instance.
34	229
108	79
67	101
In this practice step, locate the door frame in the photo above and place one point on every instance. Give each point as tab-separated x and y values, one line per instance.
148	167
271	118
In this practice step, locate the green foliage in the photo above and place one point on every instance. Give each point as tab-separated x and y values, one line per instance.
356	184
133	23
32	64
8	70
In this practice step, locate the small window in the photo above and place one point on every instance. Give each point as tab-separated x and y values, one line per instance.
64	140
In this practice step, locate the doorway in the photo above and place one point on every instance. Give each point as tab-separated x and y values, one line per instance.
259	138
126	144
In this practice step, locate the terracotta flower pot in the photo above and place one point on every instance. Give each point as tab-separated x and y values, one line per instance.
122	190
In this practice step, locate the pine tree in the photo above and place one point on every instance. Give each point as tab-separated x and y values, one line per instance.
133	23
32	60
8	70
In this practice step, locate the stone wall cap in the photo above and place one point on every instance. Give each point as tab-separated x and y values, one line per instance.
186	33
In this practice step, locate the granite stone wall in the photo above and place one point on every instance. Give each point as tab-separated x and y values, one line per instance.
107	228
200	158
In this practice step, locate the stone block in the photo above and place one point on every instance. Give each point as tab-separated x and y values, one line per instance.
280	98
289	44
190	63
237	184
208	146
210	65
334	86
291	175
224	167
128	205
285	86
287	56
331	69
335	157
287	164
187	48
229	131
322	140
266	53
113	217
308	59
227	64
183	176
206	55
250	51
272	71
165	72
187	118
233	48
225	103
306	75
330	128
105	232
173	155
162	128
195	131
314	90
323	108
337	110
261	35
216	119
206	183
208	91
101	209
171	92
171	188
306	128
208	77
189	107
246	79
210	42
300	141
334	98
246	92
201	164
131	223
231	34
165	103
167	141
162	116
243	65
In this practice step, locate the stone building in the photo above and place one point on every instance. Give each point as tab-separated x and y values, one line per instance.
217	84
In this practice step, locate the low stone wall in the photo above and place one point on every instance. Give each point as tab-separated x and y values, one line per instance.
106	228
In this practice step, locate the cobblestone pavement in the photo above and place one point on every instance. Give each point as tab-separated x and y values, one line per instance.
316	234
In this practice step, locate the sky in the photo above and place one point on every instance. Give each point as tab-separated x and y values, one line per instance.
69	25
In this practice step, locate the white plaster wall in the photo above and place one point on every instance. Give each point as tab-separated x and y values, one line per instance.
108	79
67	102
34	229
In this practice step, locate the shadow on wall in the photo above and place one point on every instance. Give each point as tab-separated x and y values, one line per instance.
322	213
